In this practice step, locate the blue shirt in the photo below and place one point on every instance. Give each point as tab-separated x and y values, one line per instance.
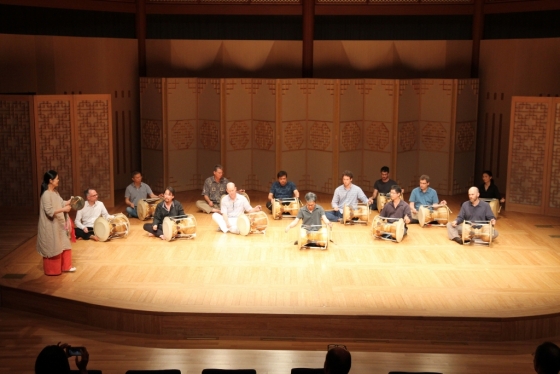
282	192
423	198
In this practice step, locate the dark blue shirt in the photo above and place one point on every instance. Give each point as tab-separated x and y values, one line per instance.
282	192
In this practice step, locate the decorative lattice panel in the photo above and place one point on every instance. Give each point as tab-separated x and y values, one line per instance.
528	144
54	140
93	127
554	195
16	152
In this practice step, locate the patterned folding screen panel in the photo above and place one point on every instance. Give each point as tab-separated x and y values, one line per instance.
93	145
534	156
17	154
181	124
152	113
380	116
312	128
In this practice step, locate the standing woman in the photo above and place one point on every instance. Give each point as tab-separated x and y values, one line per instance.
488	189
53	242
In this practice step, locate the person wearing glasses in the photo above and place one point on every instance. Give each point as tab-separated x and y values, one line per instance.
86	216
232	206
338	360
311	214
397	208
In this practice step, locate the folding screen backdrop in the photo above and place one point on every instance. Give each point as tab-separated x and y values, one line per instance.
312	128
534	156
71	134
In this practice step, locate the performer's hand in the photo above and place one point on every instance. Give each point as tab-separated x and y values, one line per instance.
67	208
241	190
492	221
160	195
330	225
211	203
85	230
503	200
154	227
406	220
454	223
413	210
82	361
443	202
132	205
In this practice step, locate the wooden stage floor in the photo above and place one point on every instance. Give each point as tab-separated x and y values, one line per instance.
263	286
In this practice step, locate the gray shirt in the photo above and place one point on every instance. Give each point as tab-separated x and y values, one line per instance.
350	197
480	212
311	218
135	194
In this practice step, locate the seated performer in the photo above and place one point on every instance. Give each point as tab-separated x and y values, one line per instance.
397	208
213	190
311	214
346	194
281	189
136	191
169	207
233	205
382	186
86	216
423	195
488	189
472	210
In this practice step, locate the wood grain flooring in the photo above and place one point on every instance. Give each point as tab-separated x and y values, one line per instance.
496	290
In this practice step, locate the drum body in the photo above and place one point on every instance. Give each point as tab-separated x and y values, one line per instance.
428	214
252	223
494	205
388	229
358	215
147	207
381	201
313	238
477	232
116	227
179	227
282	206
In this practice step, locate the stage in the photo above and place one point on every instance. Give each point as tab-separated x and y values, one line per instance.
264	287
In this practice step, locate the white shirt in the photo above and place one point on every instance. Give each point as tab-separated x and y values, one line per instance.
89	213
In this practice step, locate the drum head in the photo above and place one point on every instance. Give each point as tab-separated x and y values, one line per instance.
168	227
423	214
400	230
243	225
102	228
142	210
465	235
381	200
346	214
494	206
276	209
375	226
441	215
120	224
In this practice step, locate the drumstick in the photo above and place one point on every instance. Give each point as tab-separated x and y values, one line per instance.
330	235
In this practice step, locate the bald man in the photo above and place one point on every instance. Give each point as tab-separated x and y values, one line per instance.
472	210
232	206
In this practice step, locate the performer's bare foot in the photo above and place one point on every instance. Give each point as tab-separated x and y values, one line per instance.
79	238
150	234
216	211
162	237
94	237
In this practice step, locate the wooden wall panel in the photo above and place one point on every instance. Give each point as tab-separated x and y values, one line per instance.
264	129
351	132
181	123
17	154
94	146
322	128
436	109
380	116
55	147
152	131
209	142
293	136
464	136
239	131
408	133
528	154
553	207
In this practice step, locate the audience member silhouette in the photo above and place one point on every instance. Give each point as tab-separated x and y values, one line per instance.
53	359
546	359
338	360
